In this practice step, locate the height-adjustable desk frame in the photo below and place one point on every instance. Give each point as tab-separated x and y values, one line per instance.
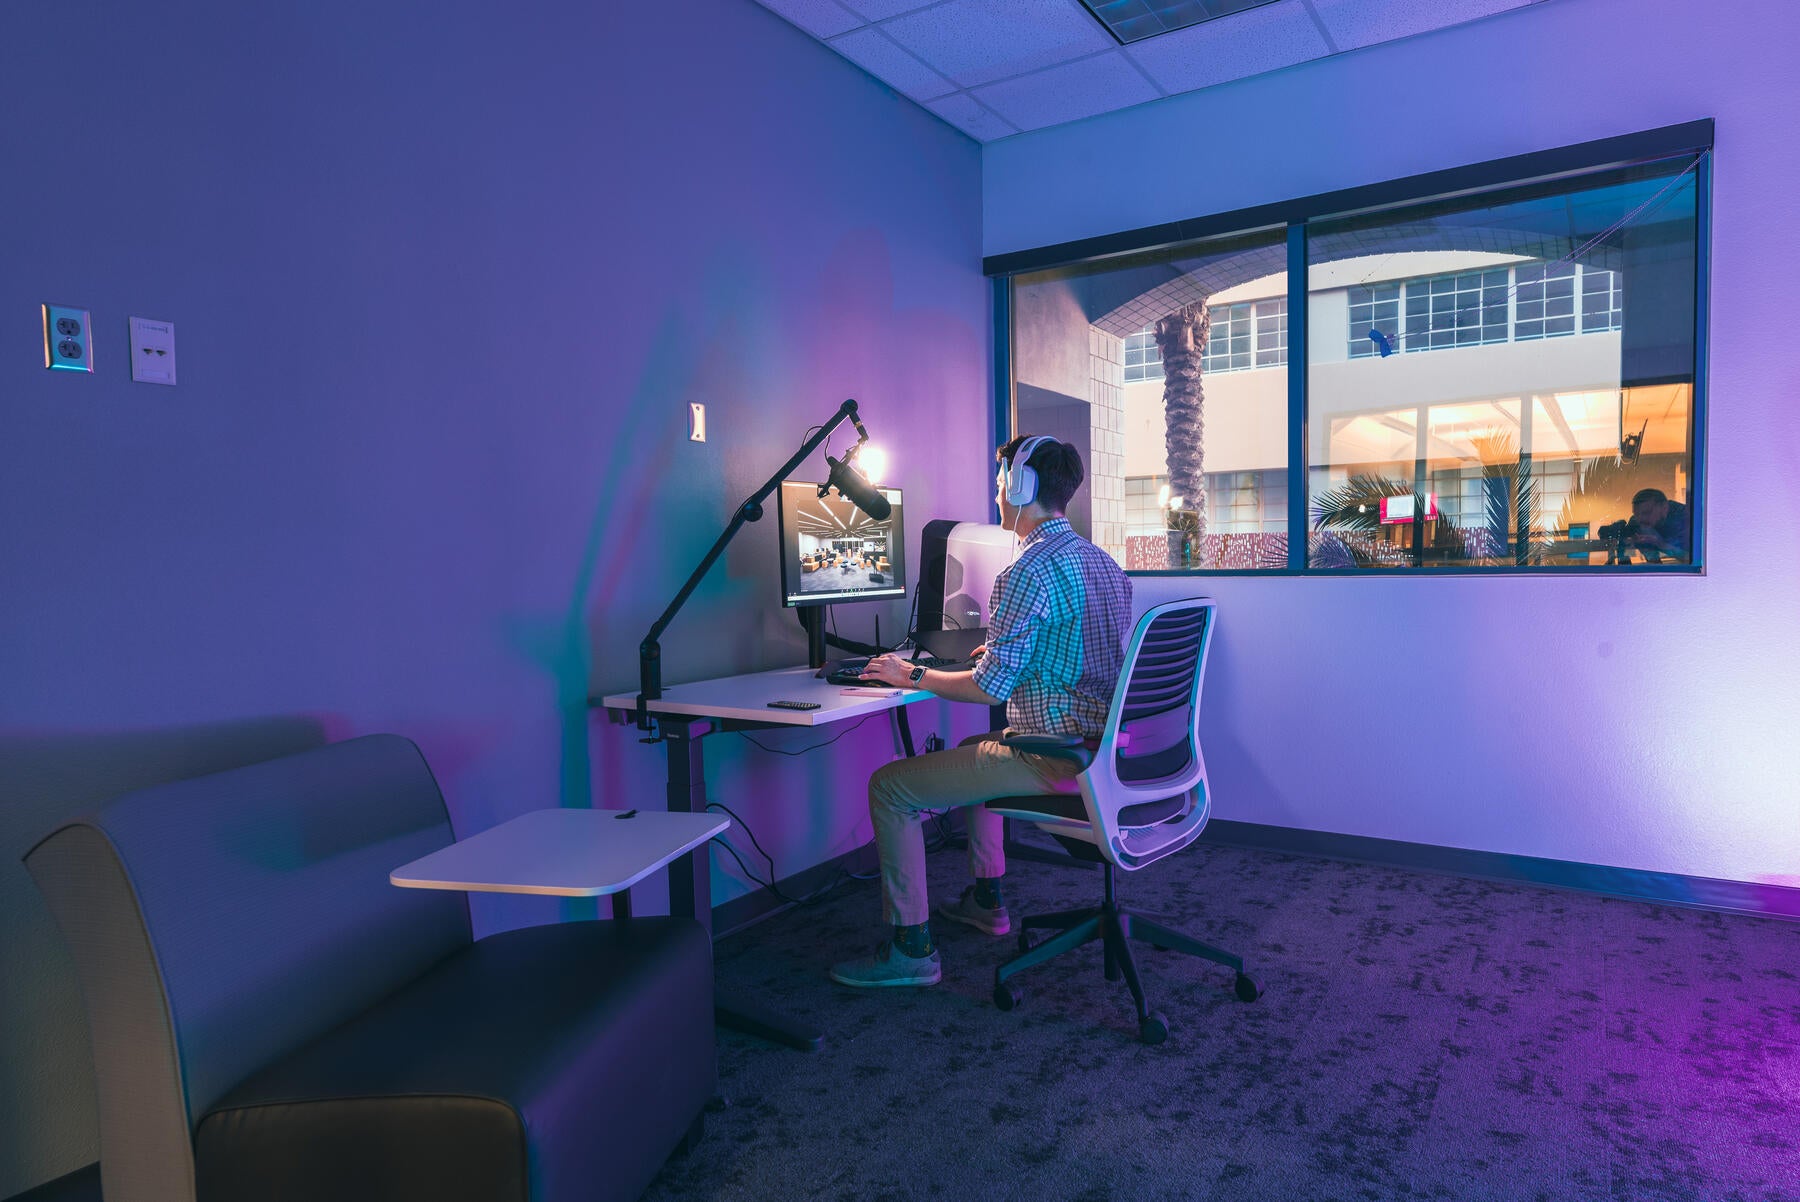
685	714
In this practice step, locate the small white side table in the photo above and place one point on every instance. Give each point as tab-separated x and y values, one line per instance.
564	853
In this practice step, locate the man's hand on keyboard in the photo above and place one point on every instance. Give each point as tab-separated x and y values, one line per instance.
890	670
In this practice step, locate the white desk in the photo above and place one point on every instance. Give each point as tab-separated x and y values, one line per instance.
687	713
562	853
746	699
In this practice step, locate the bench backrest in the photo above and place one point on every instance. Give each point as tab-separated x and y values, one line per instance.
220	922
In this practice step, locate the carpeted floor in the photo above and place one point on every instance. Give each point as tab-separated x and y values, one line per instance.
1420	1036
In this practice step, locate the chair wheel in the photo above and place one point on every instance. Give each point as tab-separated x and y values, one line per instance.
1007	996
1248	987
1153	1029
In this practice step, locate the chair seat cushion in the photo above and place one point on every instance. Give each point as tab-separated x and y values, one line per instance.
1069	807
553	1062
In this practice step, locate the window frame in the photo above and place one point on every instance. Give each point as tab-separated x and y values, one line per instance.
1536	171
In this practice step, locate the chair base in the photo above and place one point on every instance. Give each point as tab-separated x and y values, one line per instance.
1115	927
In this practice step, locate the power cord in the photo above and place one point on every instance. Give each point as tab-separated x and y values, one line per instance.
745	735
814	898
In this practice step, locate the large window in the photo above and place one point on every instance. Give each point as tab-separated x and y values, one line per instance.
1503	379
1536	378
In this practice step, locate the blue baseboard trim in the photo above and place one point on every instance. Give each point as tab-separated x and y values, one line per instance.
1669	888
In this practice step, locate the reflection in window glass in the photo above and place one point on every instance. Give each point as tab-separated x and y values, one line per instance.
1551	422
1168	370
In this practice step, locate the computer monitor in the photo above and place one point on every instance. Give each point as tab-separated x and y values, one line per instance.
832	552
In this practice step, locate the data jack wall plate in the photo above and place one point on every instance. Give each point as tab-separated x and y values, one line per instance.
68	339
152	351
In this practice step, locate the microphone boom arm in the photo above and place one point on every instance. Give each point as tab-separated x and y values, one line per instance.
650	650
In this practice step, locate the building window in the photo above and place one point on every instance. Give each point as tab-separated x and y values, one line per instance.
1246	335
1245	502
1602	308
1143	361
1520	457
1374	310
1466	309
1517	304
1546	300
1509	412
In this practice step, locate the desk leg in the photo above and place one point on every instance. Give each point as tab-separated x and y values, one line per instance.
690	890
690	877
905	725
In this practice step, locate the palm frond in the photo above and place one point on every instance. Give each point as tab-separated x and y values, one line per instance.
1356	503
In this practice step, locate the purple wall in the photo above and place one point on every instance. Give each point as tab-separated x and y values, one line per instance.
444	279
1642	723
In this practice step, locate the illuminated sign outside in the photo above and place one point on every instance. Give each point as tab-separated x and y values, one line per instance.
1400	509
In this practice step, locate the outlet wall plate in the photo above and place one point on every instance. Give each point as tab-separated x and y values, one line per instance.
68	339
696	422
152	351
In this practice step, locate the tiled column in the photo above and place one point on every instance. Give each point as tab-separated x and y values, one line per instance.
1106	440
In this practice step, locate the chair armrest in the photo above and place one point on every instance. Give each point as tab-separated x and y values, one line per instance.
1062	747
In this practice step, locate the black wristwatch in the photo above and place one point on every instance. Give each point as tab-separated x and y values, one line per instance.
917	674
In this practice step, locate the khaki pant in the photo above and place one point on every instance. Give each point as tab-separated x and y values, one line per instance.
977	770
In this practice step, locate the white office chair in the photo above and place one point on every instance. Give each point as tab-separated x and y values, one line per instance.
1143	796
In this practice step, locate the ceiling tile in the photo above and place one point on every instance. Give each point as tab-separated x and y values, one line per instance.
1354	23
962	111
1246	43
1069	92
821	18
881	10
980	41
876	53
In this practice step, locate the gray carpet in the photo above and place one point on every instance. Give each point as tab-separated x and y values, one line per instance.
1421	1036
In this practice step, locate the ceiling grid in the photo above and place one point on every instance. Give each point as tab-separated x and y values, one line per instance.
995	68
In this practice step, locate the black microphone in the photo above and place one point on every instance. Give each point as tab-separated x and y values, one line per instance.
850	483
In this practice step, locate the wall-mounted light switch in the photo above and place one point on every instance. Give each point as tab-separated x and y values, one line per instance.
68	345
696	422
152	351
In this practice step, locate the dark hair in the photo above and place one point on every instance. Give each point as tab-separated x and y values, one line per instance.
1058	468
1647	494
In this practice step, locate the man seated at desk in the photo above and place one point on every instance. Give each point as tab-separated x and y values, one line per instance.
1056	643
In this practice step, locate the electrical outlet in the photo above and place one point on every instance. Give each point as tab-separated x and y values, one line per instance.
68	341
152	351
696	422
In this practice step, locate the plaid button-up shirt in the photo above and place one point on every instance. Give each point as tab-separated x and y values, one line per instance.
1056	634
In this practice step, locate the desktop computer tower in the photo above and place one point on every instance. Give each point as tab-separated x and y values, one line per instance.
959	562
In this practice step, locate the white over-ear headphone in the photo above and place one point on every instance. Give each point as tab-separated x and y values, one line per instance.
1018	483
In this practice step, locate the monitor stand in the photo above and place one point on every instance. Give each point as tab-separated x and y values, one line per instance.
813	618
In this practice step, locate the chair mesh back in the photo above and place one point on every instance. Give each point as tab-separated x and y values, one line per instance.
1158	708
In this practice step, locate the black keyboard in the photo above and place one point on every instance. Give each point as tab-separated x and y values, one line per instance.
849	671
940	661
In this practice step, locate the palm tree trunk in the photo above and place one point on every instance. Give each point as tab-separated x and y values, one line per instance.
1181	338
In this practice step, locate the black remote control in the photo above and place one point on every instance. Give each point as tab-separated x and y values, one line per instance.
795	705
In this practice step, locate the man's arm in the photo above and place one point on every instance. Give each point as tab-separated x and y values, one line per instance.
953	686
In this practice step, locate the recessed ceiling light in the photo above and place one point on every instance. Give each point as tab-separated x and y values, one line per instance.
1134	20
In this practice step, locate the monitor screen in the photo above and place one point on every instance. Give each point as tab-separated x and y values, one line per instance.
831	551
